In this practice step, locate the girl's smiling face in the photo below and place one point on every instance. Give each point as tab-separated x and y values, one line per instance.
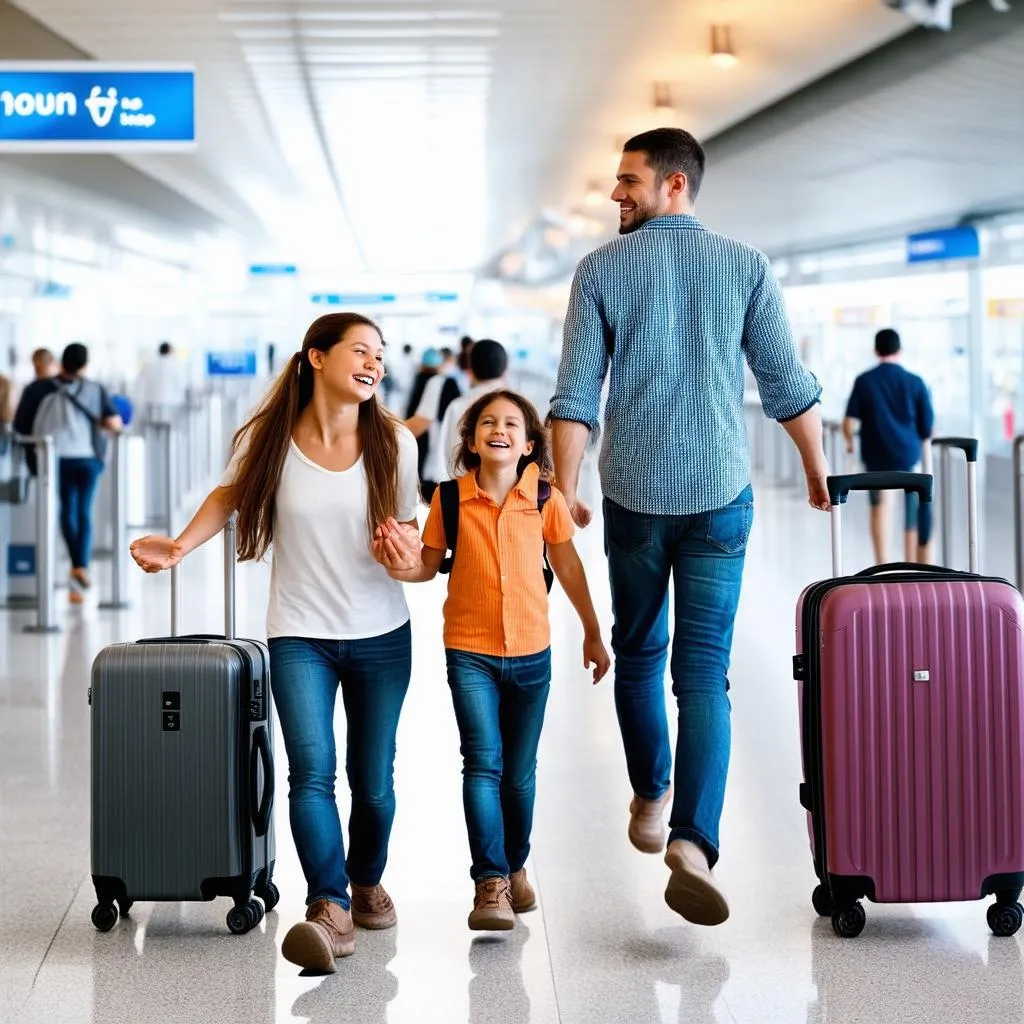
500	437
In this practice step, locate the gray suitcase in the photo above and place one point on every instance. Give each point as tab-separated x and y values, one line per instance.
183	770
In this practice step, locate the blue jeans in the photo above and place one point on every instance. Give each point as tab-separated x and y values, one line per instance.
703	554
374	676
77	480
499	706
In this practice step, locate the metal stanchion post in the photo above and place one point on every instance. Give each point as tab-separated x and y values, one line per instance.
1018	513
171	481
46	535
119	485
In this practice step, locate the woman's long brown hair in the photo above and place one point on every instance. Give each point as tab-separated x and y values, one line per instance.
267	436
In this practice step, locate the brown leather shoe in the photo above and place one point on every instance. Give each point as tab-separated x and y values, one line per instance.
372	907
492	909
522	896
325	935
646	824
691	891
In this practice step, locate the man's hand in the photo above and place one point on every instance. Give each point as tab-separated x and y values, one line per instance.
595	653
580	511
817	486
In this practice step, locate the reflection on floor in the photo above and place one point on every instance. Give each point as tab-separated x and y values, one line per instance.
602	947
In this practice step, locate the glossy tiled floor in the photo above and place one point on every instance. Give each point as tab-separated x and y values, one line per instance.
602	947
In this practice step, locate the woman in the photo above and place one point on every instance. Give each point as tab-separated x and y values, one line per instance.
313	472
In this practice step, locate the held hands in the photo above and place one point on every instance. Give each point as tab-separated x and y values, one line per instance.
153	553
396	546
594	653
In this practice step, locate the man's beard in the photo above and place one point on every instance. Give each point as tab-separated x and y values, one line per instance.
641	215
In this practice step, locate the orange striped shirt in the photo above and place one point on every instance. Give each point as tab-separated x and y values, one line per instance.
497	602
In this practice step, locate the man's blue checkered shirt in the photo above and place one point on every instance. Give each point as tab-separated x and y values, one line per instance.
681	308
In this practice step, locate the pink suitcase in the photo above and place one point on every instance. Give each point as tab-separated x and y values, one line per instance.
912	728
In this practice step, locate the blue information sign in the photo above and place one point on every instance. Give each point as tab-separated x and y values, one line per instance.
361	299
240	363
273	269
946	244
94	107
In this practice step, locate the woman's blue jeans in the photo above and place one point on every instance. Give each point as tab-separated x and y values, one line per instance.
373	674
703	556
499	706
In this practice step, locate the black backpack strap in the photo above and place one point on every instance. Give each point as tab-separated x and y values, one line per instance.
543	494
449	497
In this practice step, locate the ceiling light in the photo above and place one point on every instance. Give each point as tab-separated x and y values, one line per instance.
663	98
722	53
595	196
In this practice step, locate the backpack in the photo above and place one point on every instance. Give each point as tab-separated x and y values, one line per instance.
60	416
450	518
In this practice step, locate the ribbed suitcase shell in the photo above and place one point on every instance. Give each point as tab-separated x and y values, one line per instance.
172	810
921	733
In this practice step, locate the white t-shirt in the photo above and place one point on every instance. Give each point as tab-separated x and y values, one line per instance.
430	405
324	583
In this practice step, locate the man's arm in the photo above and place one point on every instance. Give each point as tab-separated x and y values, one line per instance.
576	404
789	391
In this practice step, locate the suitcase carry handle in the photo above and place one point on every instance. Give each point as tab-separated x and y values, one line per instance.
230	546
261	752
839	488
918	567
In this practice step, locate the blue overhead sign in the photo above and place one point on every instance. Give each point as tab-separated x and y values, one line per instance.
93	107
947	244
341	299
240	363
273	269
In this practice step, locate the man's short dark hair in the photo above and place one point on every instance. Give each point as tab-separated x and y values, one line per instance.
887	342
671	151
75	358
488	359
165	348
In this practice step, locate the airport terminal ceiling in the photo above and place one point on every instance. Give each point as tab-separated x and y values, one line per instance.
426	135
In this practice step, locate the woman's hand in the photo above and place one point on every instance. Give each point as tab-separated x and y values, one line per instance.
154	554
397	546
595	653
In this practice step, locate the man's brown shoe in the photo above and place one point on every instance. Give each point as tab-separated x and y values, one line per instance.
522	895
692	892
646	825
492	909
325	935
372	907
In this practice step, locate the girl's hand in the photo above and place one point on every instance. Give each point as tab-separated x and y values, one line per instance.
397	547
594	653
154	554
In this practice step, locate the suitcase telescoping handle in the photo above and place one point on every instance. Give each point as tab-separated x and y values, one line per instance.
969	446
839	488
230	546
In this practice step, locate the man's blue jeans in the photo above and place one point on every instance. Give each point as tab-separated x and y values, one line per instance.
703	554
77	480
499	705
374	676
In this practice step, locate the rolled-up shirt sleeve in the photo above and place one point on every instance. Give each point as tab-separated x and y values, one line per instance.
584	362
787	388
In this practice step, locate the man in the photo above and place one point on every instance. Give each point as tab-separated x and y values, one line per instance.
162	386
674	310
488	362
895	414
439	392
81	448
44	364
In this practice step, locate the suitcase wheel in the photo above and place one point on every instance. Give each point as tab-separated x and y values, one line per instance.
1005	918
244	918
822	902
104	916
270	895
849	923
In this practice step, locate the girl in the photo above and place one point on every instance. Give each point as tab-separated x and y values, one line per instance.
496	631
319	464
